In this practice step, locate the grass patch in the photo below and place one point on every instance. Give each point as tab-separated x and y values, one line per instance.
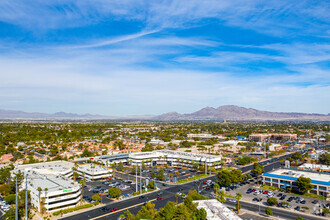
309	195
192	178
64	211
271	188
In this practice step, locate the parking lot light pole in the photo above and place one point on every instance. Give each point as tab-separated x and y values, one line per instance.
136	185
205	166
141	180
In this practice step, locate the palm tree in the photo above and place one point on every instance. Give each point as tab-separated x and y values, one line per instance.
222	195
122	216
176	197
82	182
74	173
39	190
216	187
238	197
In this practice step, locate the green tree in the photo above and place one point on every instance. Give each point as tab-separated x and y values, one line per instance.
114	192
268	211
226	177
96	197
129	215
304	184
201	214
299	218
181	213
167	212
324	159
216	187
238	197
272	201
147	211
10	199
151	185
222	197
257	170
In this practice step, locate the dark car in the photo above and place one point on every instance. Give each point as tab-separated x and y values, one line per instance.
315	201
141	197
297	208
105	209
303	202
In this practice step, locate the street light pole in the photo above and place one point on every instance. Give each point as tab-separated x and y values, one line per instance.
26	199
136	185
141	180
16	208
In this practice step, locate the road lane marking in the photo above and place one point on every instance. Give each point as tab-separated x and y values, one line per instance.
119	210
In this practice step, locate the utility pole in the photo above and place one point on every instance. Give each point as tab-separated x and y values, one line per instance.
136	185
205	166
16	208
26	199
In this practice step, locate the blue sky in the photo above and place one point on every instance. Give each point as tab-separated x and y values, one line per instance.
151	57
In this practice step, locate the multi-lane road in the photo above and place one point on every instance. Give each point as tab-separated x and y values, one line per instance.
168	194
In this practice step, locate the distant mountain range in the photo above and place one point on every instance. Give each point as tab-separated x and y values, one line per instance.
226	112
232	112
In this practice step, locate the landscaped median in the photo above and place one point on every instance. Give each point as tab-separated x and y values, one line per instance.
65	211
192	178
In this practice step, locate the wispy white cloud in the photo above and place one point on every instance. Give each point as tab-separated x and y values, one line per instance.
283	17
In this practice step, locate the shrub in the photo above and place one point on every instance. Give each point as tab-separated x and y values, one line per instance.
268	211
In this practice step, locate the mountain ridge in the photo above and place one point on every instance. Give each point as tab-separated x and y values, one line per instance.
224	112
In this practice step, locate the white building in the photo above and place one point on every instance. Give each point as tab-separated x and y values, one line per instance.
174	158
94	172
57	191
216	210
206	136
60	167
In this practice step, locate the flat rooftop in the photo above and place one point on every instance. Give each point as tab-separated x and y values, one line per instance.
51	182
291	174
216	210
88	168
177	154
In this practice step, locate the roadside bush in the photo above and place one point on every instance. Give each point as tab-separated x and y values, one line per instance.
268	211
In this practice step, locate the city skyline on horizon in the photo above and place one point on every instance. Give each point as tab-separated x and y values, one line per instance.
148	58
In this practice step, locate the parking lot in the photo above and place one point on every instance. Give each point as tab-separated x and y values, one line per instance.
170	174
296	203
101	188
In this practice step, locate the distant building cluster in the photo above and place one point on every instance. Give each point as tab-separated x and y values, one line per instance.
264	137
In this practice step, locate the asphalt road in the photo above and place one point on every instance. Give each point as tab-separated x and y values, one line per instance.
135	204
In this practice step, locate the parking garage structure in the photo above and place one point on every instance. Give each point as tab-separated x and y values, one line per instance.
59	168
283	178
94	171
50	192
